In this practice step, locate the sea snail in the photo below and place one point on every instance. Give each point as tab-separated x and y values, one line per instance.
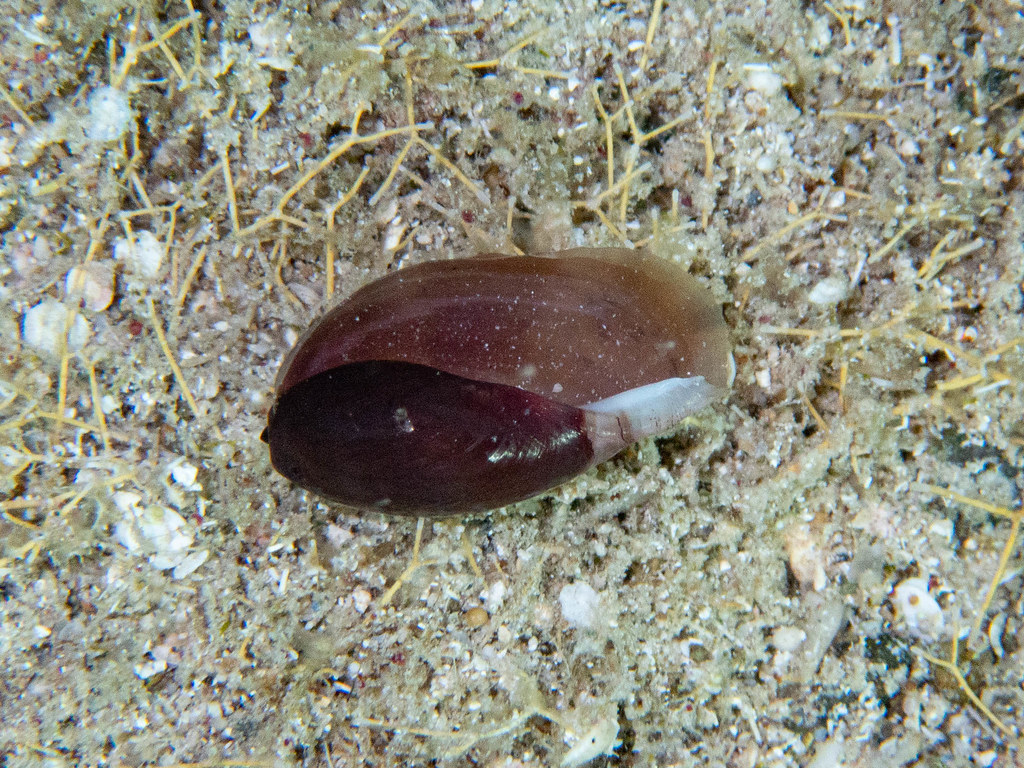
457	386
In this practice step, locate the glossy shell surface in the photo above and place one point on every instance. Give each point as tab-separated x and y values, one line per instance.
457	386
407	439
577	326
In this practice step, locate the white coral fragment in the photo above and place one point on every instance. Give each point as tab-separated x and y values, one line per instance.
190	563
361	599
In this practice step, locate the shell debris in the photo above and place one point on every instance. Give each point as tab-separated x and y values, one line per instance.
921	612
51	328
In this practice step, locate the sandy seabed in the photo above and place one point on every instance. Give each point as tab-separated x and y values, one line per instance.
824	571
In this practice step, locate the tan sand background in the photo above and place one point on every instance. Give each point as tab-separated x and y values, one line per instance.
823	572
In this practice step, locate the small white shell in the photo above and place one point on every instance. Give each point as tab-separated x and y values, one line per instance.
50	327
761	78
919	610
806	557
580	605
185	474
788	639
92	284
143	257
601	739
158	532
831	290
109	114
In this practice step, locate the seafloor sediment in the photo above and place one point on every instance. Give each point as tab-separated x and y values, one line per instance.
824	571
